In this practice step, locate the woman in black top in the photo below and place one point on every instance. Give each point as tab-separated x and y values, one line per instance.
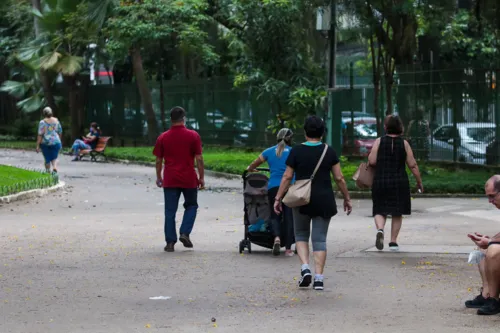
391	189
322	207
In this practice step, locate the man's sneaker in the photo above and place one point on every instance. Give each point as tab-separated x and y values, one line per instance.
393	246
186	241
491	307
379	242
169	247
305	279
476	303
318	285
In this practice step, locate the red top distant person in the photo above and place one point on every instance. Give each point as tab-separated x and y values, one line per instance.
179	147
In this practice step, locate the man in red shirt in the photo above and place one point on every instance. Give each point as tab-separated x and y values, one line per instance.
179	147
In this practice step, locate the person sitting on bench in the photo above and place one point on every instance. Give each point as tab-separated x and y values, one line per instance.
89	141
488	302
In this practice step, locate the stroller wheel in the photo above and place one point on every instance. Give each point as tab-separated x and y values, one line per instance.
242	247
249	246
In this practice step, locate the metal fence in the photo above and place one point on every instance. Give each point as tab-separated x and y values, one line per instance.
221	114
449	115
45	180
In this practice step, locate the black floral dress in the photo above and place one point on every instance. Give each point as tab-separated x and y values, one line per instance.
391	187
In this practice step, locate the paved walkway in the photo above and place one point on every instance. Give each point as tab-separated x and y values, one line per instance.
89	259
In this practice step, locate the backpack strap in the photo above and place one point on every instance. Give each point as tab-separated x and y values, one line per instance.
320	161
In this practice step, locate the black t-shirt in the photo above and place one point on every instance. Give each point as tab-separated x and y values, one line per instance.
303	159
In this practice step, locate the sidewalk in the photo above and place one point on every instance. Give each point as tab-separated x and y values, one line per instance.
89	259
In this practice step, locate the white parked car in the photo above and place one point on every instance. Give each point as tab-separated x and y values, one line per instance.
472	139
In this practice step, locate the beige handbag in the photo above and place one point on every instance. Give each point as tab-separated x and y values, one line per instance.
299	194
364	176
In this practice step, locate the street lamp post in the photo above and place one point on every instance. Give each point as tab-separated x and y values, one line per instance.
334	119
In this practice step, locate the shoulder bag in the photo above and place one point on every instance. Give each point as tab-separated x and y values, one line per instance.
299	194
364	176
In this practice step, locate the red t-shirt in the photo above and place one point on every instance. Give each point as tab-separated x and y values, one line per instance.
178	146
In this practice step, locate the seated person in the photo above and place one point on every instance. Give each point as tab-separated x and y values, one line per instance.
488	302
89	141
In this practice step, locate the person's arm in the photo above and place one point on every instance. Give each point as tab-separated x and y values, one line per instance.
200	164
159	166
340	181
413	166
285	183
41	130
158	152
372	158
59	130
255	164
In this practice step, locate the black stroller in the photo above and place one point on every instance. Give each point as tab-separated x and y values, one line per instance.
257	211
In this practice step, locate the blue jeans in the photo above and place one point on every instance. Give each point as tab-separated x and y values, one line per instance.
172	196
79	145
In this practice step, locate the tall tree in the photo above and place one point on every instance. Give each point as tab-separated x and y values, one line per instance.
141	25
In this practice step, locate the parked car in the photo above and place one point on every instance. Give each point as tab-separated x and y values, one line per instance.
492	155
365	134
472	142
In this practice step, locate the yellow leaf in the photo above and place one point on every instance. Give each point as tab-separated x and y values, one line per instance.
33	226
148	326
215	325
403	262
469	289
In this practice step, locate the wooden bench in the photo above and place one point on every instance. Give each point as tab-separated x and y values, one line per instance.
102	142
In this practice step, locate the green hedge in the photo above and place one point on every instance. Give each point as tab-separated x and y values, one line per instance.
437	177
14	180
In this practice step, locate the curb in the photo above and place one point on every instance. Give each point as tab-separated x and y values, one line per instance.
368	195
37	193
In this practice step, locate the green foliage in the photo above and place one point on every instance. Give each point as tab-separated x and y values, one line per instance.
178	24
29	92
24	127
271	46
471	42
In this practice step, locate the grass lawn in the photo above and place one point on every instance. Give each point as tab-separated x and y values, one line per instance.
437	178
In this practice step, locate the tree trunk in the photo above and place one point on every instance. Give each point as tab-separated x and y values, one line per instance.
44	77
162	98
388	91
147	101
70	82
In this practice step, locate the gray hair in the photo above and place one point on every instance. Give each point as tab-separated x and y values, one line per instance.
284	137
47	112
495	181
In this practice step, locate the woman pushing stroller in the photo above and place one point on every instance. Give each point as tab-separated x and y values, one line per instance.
276	157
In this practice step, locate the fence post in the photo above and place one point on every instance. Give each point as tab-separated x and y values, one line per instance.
455	136
497	119
351	108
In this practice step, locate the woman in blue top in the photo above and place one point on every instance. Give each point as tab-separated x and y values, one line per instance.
49	139
276	157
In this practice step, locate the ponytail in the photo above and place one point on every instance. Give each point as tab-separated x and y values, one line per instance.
284	138
280	148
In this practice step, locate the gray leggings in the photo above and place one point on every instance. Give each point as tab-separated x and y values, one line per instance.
302	226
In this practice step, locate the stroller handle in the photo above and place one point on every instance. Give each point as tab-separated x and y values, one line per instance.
246	172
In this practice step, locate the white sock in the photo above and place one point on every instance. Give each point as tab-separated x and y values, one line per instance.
305	266
318	277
